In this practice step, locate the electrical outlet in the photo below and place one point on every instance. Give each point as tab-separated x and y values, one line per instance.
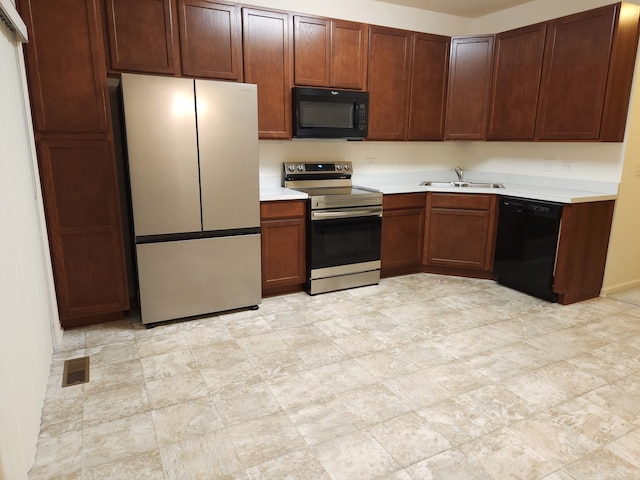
547	166
370	160
566	166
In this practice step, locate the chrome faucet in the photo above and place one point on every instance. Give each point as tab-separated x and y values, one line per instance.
459	173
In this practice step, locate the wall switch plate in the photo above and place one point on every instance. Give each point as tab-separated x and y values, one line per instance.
548	165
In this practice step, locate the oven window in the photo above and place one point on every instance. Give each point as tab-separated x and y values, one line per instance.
326	115
344	241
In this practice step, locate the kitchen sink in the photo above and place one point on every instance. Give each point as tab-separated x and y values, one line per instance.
463	184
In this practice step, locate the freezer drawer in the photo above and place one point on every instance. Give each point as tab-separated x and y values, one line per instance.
194	277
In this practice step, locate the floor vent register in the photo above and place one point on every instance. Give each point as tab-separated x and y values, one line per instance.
76	371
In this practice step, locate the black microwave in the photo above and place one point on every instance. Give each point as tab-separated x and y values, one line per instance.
328	113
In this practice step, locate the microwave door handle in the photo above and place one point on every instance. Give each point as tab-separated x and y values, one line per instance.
355	114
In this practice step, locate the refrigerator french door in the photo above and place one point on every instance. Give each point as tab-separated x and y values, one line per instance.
193	164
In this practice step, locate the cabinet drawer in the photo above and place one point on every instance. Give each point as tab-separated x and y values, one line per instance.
403	200
473	201
282	209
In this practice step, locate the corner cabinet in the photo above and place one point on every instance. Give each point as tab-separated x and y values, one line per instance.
267	46
460	233
283	233
470	68
587	72
67	80
143	36
330	53
402	233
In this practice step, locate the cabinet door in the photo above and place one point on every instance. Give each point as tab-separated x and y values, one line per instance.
312	51
348	55
574	75
389	83
516	82
283	244
330	53
267	63
430	69
65	66
84	225
461	231
210	39
142	35
469	87
402	232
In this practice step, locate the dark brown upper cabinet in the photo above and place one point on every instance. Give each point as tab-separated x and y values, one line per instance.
143	36
210	39
429	73
470	68
66	66
330	53
516	83
588	67
267	49
389	81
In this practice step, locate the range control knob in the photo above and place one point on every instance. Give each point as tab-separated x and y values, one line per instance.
291	168
346	166
338	167
300	168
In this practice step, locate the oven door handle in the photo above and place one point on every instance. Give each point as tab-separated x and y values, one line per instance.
350	213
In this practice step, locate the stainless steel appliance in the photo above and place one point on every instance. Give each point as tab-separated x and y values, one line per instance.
526	246
193	164
328	113
344	225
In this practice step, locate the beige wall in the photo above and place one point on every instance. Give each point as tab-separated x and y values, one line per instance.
27	309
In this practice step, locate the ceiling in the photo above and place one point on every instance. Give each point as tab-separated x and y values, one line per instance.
461	8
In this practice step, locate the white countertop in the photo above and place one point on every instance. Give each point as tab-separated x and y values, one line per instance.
269	193
521	186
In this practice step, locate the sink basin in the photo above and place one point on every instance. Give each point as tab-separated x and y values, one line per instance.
463	184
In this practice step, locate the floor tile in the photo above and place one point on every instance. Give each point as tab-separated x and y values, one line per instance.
300	465
448	465
176	389
409	438
356	456
497	452
245	402
207	456
602	465
111	441
146	465
180	422
113	404
265	438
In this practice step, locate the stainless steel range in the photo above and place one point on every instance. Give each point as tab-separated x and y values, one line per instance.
343	226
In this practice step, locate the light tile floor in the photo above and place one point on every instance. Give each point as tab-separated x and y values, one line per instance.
420	377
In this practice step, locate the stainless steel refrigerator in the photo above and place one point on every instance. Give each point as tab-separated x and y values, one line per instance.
193	164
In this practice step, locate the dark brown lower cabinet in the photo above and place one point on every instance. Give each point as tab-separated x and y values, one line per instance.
283	230
460	233
402	234
582	250
85	230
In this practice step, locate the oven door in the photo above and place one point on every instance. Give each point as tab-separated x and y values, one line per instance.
344	236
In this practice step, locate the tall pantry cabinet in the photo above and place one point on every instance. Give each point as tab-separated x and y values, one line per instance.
74	139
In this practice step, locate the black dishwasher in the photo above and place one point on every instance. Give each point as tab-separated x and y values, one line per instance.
526	246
